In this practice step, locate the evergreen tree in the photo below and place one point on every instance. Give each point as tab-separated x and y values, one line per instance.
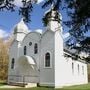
78	10
24	10
79	23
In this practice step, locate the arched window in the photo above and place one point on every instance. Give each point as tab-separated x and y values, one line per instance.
78	68
72	67
12	63
83	70
47	59
35	48
25	50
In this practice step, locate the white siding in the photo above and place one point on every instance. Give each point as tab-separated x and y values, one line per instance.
47	45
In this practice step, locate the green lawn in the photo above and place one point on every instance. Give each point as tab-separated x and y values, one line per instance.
77	87
38	88
2	83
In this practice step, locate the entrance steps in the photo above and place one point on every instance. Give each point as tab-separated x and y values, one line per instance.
21	84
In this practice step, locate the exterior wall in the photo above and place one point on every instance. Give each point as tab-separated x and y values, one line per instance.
69	76
73	77
59	59
59	74
53	25
64	75
33	37
13	54
20	36
26	69
47	45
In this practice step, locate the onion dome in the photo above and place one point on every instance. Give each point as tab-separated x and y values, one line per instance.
21	27
51	15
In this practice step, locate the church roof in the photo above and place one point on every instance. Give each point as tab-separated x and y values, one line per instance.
28	59
73	54
21	27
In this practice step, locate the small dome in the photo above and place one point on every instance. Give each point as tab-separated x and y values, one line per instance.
51	15
39	31
21	27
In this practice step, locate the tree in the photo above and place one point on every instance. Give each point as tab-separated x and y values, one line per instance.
79	23
3	60
4	57
78	10
7	4
24	10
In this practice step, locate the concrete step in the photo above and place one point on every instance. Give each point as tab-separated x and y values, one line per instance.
31	85
21	84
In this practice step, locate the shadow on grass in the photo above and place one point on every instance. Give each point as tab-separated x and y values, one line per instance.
3	83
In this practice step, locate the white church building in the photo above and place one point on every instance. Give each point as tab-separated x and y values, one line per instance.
41	58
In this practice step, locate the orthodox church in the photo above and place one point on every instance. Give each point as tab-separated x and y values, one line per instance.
41	58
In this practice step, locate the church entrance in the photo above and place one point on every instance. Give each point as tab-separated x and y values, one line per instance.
27	70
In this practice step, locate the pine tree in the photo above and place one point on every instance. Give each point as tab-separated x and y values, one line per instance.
79	23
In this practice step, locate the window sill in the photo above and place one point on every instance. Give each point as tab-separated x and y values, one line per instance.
47	67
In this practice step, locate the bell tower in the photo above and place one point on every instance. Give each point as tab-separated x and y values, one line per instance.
52	42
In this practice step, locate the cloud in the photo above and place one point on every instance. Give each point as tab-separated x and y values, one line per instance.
3	34
19	2
66	35
39	30
39	1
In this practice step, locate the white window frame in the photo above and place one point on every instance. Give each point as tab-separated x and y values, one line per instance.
72	67
50	60
12	63
36	49
82	69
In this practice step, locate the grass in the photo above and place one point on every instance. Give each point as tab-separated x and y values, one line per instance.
76	87
38	88
2	83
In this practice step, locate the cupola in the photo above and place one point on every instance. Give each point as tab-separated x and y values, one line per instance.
52	19
21	27
20	31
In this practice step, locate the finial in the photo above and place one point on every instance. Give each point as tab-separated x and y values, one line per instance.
22	20
52	6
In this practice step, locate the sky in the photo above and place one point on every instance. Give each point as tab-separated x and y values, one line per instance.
9	19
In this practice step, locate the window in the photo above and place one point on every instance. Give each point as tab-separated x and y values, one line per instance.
30	43
83	70
12	63
78	68
47	60
72	67
25	50
35	48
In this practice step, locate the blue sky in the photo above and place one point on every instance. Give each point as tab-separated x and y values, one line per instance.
9	19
